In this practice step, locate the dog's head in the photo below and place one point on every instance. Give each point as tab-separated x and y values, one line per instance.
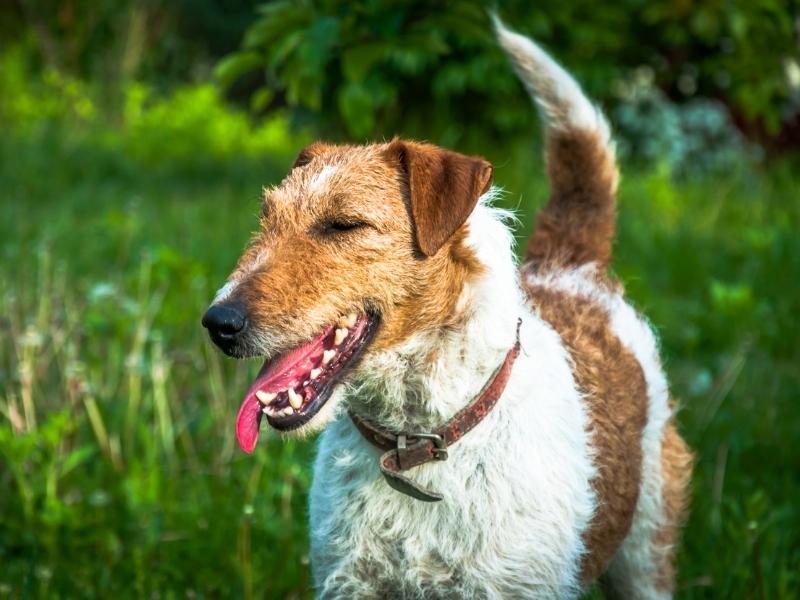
358	248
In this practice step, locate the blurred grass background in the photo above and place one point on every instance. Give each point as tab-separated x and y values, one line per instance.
135	140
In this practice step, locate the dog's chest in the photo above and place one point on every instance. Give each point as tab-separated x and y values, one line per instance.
510	523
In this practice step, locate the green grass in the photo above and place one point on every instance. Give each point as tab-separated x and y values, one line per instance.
118	467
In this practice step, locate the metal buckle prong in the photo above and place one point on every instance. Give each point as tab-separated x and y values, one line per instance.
440	450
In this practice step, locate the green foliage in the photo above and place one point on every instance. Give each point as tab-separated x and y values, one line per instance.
689	139
117	41
193	120
53	97
736	50
117	451
370	69
353	67
191	126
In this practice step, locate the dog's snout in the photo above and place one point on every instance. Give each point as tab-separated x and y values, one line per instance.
225	322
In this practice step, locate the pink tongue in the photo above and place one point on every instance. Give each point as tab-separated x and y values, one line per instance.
248	423
276	375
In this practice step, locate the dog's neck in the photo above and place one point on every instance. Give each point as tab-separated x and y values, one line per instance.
411	387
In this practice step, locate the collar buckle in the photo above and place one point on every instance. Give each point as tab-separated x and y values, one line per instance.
439	447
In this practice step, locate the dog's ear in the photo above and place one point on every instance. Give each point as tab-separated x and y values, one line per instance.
443	188
309	153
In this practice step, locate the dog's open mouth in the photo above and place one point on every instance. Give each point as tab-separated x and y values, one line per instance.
293	387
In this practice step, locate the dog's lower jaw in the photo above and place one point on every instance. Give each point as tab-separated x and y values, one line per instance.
328	413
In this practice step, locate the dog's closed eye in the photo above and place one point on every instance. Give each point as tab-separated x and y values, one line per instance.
339	226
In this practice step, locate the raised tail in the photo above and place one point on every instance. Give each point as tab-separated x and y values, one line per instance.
577	224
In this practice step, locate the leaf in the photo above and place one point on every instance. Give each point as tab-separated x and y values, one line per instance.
283	19
303	90
76	458
359	60
317	49
235	65
357	109
261	98
281	50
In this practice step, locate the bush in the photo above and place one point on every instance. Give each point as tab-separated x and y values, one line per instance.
191	125
690	139
378	68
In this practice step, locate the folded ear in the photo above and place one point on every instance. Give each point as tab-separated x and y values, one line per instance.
309	153
443	189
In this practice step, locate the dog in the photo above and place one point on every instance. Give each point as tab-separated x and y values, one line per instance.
489	430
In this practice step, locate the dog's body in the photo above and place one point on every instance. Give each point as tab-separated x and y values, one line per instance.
578	471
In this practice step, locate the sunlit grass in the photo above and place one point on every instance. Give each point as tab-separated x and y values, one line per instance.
120	447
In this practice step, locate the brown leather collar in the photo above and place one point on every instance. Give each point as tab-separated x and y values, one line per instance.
406	450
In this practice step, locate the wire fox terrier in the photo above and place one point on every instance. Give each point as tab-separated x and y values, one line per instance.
519	415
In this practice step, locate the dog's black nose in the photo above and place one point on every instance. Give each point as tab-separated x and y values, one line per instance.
225	322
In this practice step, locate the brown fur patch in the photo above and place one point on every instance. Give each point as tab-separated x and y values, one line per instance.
577	224
615	392
676	470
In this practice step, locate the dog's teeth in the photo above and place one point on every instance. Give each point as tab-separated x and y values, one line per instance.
315	373
340	335
348	321
295	399
327	356
288	411
265	397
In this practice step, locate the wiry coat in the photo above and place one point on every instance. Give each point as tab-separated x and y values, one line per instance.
577	471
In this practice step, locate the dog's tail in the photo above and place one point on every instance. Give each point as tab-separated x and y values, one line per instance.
577	224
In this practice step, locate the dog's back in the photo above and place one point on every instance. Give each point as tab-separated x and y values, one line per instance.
643	465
